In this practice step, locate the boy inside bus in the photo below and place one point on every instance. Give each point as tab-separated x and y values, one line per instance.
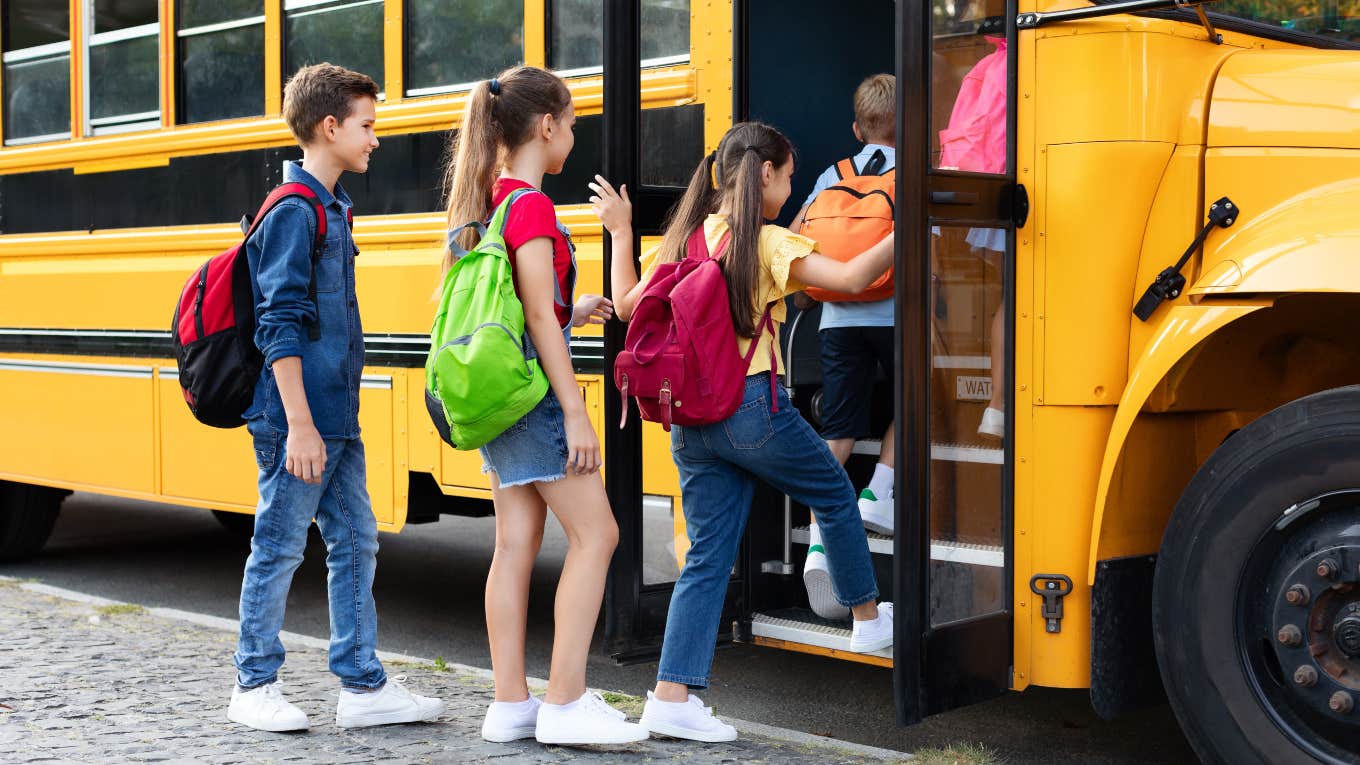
856	339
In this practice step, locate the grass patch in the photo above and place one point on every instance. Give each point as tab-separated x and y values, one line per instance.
630	705
17	582
121	608
961	754
440	665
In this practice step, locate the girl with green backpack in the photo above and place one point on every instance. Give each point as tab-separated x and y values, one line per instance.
517	128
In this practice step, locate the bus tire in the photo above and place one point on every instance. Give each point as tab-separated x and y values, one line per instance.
1255	521
27	515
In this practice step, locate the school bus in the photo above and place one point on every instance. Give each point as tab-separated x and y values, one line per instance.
1157	285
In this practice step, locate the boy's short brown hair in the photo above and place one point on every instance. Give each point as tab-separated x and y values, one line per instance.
319	90
876	108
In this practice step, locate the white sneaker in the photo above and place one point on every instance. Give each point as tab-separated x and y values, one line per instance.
873	635
876	513
685	719
511	720
817	579
993	423
586	721
265	708
393	704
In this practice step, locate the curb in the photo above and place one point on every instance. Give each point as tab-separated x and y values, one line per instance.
231	625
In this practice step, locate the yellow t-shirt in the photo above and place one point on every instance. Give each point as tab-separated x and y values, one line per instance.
779	247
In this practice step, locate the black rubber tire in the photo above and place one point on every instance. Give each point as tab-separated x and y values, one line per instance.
27	515
241	525
1299	451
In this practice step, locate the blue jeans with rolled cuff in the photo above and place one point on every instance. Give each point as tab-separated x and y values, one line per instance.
719	465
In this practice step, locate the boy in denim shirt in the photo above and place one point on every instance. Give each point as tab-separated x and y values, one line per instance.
305	422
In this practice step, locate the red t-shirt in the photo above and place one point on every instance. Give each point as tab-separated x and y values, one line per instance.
533	216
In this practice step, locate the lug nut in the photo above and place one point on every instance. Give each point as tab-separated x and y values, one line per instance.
1341	703
1289	635
1298	595
1328	569
1305	676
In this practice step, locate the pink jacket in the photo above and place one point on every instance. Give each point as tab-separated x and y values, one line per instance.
976	137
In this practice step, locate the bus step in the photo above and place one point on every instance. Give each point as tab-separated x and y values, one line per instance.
963	362
944	452
794	627
942	550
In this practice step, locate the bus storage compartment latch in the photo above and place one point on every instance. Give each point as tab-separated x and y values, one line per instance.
1052	588
1170	282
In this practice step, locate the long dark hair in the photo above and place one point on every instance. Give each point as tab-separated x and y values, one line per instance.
736	166
495	124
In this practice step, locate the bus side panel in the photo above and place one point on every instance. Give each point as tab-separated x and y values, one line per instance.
78	424
202	463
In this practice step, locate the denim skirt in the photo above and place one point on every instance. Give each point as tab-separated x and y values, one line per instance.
532	449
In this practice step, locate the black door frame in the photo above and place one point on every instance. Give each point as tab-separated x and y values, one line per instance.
942	667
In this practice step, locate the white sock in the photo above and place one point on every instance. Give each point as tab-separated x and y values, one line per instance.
814	536
882	482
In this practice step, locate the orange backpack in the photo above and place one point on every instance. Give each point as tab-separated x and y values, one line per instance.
851	216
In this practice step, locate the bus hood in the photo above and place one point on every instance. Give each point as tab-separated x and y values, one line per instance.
1296	98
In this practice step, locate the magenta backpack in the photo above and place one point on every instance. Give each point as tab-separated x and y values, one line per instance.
680	358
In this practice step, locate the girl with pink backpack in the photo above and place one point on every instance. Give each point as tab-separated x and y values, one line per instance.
765	438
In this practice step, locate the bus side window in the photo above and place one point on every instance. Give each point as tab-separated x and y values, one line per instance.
348	34
221	59
450	43
124	66
37	71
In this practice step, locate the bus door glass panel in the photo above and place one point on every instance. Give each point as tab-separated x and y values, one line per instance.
221	59
37	71
346	33
124	74
966	357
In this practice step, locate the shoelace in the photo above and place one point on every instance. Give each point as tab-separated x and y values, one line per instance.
274	691
697	702
597	703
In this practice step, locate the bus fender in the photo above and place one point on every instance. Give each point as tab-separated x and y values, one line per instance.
1181	328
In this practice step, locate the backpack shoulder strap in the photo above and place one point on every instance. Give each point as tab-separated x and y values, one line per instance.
304	192
846	169
877	161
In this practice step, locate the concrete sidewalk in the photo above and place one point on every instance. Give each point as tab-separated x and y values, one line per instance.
84	680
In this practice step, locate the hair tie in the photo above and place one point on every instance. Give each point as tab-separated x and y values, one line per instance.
756	149
495	87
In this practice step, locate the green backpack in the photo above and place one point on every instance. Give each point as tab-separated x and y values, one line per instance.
478	381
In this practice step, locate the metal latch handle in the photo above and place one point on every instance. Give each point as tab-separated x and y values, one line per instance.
1052	588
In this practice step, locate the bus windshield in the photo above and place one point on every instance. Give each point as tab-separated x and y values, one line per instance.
1331	19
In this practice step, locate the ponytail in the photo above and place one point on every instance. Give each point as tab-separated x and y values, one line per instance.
468	178
737	167
500	116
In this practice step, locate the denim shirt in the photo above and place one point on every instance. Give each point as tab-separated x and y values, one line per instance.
280	256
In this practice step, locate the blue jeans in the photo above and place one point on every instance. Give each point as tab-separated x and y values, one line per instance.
719	465
287	506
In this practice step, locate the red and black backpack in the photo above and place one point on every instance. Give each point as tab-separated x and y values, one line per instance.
214	324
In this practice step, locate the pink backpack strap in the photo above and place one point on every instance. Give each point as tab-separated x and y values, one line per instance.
697	245
765	321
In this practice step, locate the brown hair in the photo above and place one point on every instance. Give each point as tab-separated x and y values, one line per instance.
322	90
876	108
493	126
736	164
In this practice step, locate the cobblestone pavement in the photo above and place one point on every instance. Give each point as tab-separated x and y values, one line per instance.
82	683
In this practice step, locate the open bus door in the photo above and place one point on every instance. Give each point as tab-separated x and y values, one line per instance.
956	221
795	65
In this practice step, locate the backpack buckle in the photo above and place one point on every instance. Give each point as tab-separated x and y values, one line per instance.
664	399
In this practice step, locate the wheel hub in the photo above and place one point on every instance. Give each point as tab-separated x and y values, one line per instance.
1317	628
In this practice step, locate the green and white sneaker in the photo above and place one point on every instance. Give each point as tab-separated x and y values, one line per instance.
817	579
876	513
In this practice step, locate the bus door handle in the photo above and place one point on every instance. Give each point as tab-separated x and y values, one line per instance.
953	198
